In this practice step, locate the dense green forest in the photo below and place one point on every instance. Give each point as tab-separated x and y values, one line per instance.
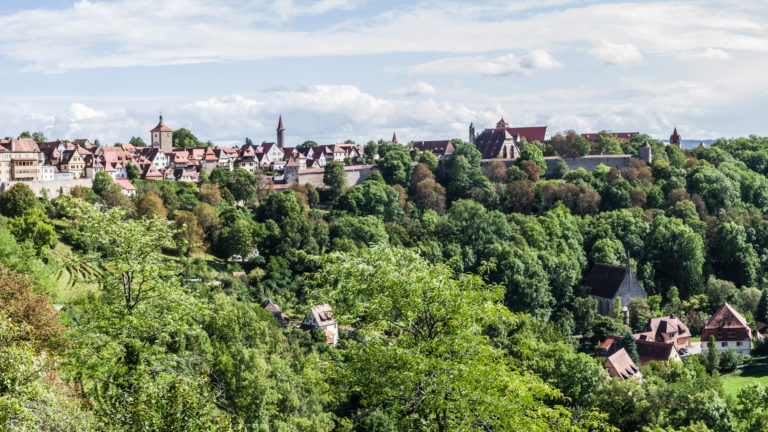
457	287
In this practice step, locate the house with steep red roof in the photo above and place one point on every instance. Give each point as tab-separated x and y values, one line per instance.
730	329
621	366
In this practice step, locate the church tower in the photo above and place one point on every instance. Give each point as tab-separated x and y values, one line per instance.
472	132
162	137
280	132
394	137
675	138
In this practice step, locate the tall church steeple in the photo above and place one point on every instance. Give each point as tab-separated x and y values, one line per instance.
394	137
472	132
280	132
675	138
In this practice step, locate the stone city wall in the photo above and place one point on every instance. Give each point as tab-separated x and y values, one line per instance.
53	187
356	174
589	163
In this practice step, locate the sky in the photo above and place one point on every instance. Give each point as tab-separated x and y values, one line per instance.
363	69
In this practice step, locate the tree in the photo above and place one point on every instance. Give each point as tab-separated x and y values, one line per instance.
307	144
396	166
531	169
188	234
761	314
209	194
241	184
101	181
132	171
730	360
533	152
137	142
150	205
184	139
628	343
639	313
496	172
237	239
429	159
712	359
335	178
114	197
429	195
34	226
17	200
30	397
581	145
39	137
25	134
209	221
370	198
422	348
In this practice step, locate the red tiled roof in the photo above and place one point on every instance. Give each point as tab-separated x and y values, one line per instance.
621	366
727	324
125	184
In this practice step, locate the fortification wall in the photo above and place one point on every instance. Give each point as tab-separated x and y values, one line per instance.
589	163
53	187
356	174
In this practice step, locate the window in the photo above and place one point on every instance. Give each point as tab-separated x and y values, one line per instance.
723	343
738	343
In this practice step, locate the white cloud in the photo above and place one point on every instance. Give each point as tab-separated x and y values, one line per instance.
539	59
616	53
78	112
507	64
93	34
416	89
705	54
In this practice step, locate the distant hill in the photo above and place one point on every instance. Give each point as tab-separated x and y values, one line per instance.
691	143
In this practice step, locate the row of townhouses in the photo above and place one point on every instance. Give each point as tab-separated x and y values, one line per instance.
23	159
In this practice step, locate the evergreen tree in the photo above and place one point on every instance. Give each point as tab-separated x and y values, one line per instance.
761	314
629	344
712	360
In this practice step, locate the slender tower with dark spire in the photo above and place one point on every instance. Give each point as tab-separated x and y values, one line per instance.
280	132
394	137
472	132
675	138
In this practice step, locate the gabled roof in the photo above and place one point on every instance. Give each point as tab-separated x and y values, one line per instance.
727	324
437	148
621	366
532	133
24	145
125	184
604	280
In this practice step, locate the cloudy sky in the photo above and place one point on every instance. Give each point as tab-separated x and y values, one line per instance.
361	69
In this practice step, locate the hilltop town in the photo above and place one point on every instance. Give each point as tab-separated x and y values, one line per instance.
53	165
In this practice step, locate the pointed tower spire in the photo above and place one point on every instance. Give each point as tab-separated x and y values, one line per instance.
394	137
472	132
280	132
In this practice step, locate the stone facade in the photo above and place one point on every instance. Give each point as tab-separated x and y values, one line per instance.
356	174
